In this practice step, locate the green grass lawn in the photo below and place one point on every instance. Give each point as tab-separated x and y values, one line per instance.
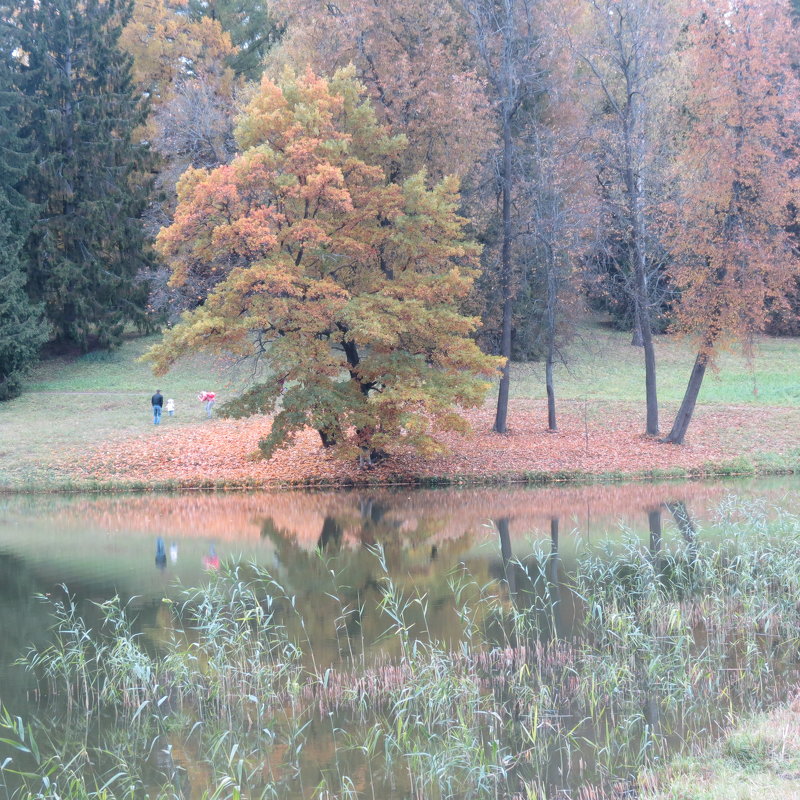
70	403
601	364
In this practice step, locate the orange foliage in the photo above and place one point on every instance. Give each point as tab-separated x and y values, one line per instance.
415	59
736	174
324	268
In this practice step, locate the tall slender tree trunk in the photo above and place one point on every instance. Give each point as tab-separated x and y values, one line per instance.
636	334
551	392
552	299
684	415
641	293
505	279
651	392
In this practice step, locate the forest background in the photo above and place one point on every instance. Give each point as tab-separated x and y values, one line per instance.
528	163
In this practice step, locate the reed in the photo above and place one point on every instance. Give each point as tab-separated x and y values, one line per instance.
667	646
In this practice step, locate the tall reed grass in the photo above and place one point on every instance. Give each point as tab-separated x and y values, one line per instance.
551	683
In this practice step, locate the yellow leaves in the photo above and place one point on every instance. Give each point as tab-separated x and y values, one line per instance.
267	119
167	44
348	281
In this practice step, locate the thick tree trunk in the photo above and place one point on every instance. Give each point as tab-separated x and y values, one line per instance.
505	280
551	394
684	415
328	438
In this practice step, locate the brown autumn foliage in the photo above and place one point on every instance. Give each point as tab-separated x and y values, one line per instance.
415	58
736	178
736	170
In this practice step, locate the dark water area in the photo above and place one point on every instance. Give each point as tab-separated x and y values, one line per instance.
147	549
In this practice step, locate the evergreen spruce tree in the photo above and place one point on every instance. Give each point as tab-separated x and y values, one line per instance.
87	247
23	329
252	29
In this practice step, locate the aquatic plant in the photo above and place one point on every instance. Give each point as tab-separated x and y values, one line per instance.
664	646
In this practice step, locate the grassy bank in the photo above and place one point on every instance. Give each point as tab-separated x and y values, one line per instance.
759	758
73	404
84	423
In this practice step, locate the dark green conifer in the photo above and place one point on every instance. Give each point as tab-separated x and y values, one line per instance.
87	249
251	27
22	326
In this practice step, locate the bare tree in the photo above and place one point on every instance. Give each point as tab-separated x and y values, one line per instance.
504	37
555	206
623	47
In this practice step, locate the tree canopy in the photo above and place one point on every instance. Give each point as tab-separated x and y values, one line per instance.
344	284
89	180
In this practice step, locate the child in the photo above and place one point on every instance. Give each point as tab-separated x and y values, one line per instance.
170	406
208	399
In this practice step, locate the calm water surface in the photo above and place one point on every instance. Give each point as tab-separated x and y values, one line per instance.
146	548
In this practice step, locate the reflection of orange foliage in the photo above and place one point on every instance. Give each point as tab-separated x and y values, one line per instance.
608	440
430	515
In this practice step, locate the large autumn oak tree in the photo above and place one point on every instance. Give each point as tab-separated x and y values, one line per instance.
345	284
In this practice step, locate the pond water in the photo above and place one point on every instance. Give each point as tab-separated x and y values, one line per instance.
148	549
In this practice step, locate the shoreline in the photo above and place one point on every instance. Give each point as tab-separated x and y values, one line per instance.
757	756
760	467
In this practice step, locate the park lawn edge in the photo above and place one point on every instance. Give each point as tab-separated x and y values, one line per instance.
757	757
762	465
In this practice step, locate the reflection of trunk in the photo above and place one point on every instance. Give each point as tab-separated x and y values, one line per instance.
372	513
554	557
553	576
686	526
654	523
505	553
652	712
330	537
684	415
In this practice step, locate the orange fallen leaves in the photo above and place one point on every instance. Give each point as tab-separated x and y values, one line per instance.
600	439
